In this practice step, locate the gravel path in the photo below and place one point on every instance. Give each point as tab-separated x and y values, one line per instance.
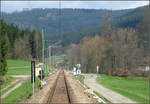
110	95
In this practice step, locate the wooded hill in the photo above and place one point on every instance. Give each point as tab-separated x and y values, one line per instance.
128	20
73	24
71	19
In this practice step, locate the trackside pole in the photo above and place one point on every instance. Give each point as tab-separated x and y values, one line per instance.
42	55
33	86
49	58
32	75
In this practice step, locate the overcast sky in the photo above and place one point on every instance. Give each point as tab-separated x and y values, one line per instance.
11	6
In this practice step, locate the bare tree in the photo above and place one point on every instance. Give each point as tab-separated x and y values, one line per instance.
22	48
73	54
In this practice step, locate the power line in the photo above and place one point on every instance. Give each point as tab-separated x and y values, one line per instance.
60	17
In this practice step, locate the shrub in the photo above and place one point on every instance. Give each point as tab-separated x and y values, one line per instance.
140	73
112	72
124	73
3	79
120	72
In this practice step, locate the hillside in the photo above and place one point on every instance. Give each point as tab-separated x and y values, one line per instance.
129	20
71	19
75	23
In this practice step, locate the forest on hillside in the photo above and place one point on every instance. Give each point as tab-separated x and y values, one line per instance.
131	19
75	23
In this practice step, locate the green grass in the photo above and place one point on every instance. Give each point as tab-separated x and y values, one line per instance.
9	80
17	67
61	57
80	78
21	93
136	89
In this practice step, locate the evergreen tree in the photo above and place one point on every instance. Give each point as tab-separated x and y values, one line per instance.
4	49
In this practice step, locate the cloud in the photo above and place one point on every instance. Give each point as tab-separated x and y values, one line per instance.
10	6
137	4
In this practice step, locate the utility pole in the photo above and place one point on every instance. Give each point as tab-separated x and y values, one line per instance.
55	56
49	57
52	54
149	4
49	53
42	55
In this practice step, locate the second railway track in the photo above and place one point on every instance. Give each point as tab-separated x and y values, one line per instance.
60	91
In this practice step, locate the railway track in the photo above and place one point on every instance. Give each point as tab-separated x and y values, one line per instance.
60	90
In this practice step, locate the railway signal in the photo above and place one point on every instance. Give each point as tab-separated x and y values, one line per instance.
74	70
78	69
32	71
43	43
33	74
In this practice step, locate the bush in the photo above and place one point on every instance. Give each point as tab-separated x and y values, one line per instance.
112	72
3	79
124	73
140	73
120	72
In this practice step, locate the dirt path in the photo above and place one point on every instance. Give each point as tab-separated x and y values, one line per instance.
110	95
22	77
12	89
18	82
19	67
17	77
15	81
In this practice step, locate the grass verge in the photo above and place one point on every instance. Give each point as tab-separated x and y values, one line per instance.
134	88
80	78
18	67
101	97
9	80
21	93
4	91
